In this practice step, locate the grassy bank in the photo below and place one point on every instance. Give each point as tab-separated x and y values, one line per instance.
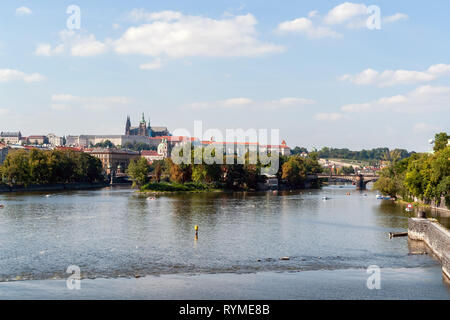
178	187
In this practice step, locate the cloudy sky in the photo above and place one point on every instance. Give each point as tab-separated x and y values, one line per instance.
312	69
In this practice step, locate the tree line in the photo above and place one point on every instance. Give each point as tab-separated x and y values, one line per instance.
423	176
372	154
27	167
292	169
135	146
344	153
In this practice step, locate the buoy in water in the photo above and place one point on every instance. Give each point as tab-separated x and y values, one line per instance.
196	232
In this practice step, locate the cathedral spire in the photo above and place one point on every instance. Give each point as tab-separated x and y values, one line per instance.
143	119
128	126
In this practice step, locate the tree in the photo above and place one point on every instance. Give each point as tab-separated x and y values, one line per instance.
15	168
138	170
294	170
23	167
299	150
158	171
440	141
105	144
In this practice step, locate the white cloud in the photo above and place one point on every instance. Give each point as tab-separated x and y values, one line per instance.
345	12
155	64
8	75
44	49
248	103
175	35
422	99
328	116
305	26
68	102
395	17
421	127
76	44
23	11
397	77
313	14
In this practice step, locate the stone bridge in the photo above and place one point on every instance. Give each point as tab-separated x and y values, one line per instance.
360	180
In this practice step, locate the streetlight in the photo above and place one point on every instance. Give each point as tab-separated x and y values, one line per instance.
111	172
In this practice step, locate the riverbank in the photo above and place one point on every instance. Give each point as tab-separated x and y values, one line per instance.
419	204
53	187
171	187
435	236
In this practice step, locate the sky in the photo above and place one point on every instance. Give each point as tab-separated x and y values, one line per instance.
325	73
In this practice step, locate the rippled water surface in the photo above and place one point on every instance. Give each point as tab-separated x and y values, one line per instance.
116	233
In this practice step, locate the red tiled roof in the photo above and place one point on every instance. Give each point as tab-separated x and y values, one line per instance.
149	153
69	148
173	138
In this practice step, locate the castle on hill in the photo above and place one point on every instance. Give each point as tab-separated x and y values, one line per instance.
144	129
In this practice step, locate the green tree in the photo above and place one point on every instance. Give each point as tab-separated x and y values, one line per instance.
294	171
105	144
16	169
138	170
440	141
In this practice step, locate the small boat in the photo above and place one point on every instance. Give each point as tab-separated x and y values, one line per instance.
325	198
380	197
151	198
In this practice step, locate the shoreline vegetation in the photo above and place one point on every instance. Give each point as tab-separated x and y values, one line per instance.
167	176
27	168
422	178
170	187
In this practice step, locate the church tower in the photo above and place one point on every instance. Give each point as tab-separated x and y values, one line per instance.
142	131
149	129
128	126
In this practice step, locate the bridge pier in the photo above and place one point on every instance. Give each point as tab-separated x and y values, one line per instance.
359	182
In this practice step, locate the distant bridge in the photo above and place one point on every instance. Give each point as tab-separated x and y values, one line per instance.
360	180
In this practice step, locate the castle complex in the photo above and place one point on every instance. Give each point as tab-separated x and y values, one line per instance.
144	129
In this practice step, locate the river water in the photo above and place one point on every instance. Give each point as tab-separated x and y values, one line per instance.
115	235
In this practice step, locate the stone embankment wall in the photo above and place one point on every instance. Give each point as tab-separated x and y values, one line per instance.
52	187
435	236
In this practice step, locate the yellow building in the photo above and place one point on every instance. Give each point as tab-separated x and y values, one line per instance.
113	159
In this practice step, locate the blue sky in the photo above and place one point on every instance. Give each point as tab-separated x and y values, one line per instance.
312	69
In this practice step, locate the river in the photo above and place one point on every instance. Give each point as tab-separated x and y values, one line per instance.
128	246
